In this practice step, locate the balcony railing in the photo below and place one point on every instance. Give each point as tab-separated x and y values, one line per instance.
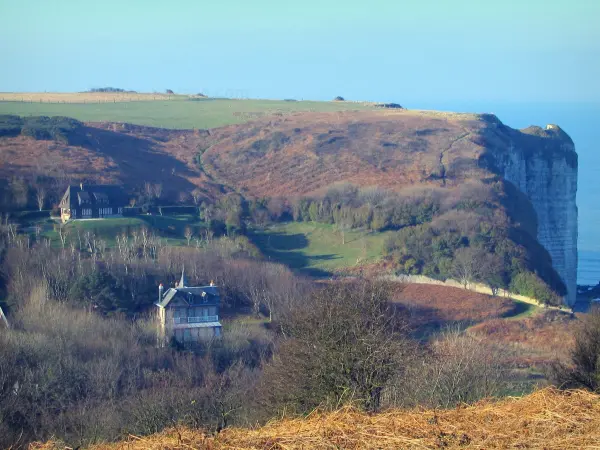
202	319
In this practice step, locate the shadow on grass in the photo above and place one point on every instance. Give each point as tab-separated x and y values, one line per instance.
289	249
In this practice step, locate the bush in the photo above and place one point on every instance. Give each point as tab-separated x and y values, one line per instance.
342	344
530	285
584	368
45	128
10	125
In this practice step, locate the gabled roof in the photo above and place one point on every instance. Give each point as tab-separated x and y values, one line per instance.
92	195
3	319
191	295
183	282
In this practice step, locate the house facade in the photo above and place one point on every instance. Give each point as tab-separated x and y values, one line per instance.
188	314
92	202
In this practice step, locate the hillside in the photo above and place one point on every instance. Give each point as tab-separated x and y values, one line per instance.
443	179
547	419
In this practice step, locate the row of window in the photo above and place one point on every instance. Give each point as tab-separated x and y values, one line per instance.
197	311
87	212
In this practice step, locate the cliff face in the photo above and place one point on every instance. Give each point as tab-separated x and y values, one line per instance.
543	165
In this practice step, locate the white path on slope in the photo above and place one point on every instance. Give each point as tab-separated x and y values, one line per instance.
474	287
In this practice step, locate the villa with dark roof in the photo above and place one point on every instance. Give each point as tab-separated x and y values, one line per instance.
188	314
92	202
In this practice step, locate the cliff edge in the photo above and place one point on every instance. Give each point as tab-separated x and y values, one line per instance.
542	163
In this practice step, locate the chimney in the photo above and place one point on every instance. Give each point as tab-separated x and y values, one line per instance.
212	283
81	186
161	288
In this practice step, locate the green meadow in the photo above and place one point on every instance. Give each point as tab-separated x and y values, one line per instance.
317	249
180	114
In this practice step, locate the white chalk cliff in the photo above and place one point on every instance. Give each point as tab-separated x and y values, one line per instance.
542	164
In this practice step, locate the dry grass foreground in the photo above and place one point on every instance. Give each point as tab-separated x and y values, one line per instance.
81	97
548	419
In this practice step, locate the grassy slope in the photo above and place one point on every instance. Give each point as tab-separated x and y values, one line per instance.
316	248
208	113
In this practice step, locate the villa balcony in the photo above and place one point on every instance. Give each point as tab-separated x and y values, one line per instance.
202	319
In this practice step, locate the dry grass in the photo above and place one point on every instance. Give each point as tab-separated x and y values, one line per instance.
81	97
538	339
431	304
546	419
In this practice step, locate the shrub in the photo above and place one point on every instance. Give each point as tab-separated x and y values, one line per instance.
10	125
584	369
530	285
46	128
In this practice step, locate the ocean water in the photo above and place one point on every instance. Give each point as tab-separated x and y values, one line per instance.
580	121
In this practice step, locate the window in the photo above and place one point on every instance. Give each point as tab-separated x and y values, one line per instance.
120	211
86	212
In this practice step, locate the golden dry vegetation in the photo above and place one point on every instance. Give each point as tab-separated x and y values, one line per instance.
546	419
82	97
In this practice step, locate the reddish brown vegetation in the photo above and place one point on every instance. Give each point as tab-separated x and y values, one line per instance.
305	153
432	305
538	339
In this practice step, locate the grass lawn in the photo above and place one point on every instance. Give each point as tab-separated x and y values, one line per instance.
169	227
316	248
182	114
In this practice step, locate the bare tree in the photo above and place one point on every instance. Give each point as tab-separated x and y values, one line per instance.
197	196
41	197
466	265
583	371
158	190
63	233
343	343
189	234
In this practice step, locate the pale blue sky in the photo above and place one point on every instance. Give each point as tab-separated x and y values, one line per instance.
404	51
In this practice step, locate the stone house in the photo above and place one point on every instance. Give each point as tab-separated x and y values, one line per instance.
92	202
188	314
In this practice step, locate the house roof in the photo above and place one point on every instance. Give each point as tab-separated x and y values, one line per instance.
3	319
92	195
191	295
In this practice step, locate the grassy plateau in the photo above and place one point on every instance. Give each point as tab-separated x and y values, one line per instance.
180	112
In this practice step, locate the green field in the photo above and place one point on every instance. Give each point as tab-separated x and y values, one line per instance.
317	249
181	114
170	228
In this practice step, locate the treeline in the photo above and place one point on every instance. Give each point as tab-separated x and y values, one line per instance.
112	90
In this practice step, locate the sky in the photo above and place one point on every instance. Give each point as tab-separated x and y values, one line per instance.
402	51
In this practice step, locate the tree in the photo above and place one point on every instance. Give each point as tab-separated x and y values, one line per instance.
341	343
189	234
197	196
40	197
63	233
466	265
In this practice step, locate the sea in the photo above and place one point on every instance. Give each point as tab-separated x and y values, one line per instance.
578	120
